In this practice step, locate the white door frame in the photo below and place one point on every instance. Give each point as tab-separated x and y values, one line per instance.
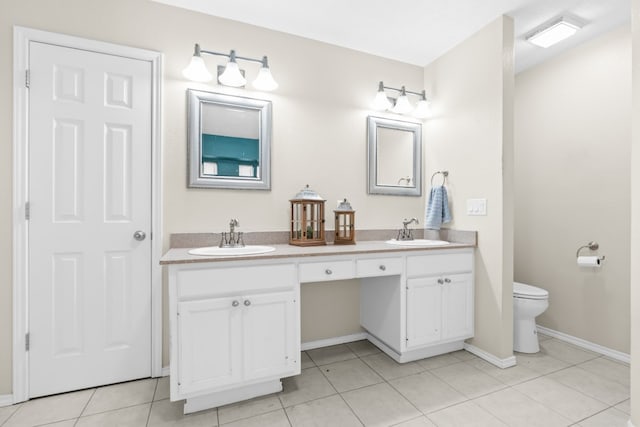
22	36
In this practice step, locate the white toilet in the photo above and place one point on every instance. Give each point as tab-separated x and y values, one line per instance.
529	302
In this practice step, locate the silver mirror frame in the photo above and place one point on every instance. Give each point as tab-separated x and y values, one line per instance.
195	99
373	123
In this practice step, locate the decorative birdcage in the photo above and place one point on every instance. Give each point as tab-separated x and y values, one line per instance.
307	219
345	233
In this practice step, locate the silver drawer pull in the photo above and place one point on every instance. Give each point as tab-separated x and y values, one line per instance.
440	281
247	302
382	267
235	303
328	271
447	280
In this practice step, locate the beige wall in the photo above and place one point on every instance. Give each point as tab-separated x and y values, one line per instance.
635	217
471	137
572	174
319	125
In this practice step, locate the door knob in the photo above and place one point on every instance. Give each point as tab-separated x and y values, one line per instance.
247	302
235	303
383	267
139	235
440	281
447	280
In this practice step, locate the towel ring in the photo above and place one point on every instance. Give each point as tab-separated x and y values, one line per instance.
444	174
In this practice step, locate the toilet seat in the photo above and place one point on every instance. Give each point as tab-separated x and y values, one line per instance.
521	290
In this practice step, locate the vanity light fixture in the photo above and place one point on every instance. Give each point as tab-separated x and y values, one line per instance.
402	104
231	76
553	32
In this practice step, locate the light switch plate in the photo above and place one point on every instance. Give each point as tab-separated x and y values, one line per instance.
476	206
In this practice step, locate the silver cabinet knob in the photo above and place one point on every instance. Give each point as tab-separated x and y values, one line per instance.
447	280
328	271
382	267
139	235
235	303
247	302
440	281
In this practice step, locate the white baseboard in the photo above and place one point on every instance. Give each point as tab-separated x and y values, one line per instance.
494	360
6	400
166	371
333	341
588	345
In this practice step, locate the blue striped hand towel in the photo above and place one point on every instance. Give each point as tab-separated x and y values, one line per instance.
437	208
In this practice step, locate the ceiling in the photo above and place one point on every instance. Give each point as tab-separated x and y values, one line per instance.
416	31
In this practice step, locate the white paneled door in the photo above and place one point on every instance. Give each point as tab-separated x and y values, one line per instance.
90	218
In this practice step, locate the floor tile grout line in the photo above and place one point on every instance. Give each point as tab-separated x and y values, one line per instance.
575	389
597	413
259	415
421	411
351	409
572	388
150	408
286	414
155	390
117	409
84	408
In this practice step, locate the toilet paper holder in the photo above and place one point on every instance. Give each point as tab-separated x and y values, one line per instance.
592	246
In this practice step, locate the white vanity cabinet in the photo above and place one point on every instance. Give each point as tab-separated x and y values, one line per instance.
439	308
426	310
235	332
235	324
440	302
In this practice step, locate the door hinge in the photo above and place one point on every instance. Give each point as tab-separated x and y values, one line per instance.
27	79
27	343
27	210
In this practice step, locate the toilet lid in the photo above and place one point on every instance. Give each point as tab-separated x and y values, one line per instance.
527	291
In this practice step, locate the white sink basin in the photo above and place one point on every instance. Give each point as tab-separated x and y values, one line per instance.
246	250
417	242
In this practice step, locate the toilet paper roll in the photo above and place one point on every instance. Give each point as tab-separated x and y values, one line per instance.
589	261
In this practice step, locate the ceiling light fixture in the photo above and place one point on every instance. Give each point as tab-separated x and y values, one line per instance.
231	76
401	104
553	32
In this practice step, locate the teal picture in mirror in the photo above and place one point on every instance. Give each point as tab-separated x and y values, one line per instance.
230	156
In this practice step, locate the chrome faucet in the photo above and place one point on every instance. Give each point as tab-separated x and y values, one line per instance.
232	239
406	233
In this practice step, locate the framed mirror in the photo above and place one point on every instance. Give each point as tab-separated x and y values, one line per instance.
394	153
229	141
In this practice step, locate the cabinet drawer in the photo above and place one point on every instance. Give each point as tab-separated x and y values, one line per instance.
378	267
425	265
207	281
326	270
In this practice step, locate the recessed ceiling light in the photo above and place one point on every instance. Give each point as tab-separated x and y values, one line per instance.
554	32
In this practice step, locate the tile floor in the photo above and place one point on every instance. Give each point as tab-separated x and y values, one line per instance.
355	384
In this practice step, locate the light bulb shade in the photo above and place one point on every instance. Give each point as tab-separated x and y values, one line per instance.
403	106
423	109
232	76
265	80
381	102
197	70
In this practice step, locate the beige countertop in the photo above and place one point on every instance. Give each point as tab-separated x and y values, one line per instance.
181	255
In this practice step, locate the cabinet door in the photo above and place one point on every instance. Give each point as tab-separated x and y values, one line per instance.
424	311
271	342
209	347
457	302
